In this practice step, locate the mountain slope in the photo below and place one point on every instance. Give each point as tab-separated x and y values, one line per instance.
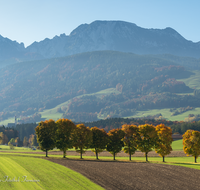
143	82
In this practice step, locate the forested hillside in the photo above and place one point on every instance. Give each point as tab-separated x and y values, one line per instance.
141	82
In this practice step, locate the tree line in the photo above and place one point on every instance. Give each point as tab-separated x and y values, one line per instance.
64	135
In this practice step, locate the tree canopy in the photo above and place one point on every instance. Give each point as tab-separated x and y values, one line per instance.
45	132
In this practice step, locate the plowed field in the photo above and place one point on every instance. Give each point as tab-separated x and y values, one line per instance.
132	175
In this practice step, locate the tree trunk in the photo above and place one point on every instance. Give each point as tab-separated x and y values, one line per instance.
146	156
114	156
46	153
81	153
96	154
195	159
163	159
64	153
129	154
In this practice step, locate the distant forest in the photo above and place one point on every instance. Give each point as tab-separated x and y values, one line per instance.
140	82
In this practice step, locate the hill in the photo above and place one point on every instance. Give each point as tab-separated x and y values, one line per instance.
136	82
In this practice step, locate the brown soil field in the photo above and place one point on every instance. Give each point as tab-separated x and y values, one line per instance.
133	175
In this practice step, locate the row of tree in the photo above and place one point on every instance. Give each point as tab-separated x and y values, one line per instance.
64	135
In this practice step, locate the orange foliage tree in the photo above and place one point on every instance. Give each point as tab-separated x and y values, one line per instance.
82	138
148	138
99	140
115	141
131	138
163	146
191	143
65	128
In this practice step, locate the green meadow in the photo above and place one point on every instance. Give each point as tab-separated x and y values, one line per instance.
18	172
54	114
177	145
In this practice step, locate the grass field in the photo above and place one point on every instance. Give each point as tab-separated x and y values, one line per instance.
55	176
166	114
53	114
177	145
193	81
50	175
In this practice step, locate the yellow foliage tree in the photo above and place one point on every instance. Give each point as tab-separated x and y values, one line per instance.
45	132
3	138
191	143
65	128
131	138
99	140
163	146
148	138
82	138
115	141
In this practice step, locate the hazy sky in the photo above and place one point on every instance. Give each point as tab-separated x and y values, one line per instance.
34	20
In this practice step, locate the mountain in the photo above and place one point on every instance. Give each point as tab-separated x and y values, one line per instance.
136	82
9	48
13	52
117	36
101	35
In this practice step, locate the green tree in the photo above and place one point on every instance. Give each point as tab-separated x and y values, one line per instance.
82	138
34	141
148	138
65	128
99	140
115	141
11	143
45	132
191	143
131	138
163	146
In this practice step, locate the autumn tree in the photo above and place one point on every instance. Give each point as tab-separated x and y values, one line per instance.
191	143
17	141
163	146
45	132
99	140
82	138
65	127
3	138
131	138
115	141
32	140
25	142
148	138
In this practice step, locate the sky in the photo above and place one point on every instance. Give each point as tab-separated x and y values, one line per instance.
34	20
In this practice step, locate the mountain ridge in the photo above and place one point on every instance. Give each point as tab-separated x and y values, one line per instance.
102	35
